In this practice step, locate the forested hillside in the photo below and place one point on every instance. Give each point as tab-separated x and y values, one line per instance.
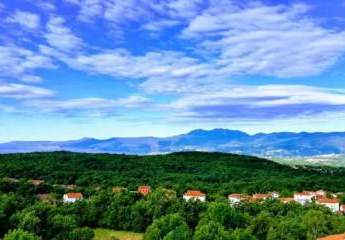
31	209
210	172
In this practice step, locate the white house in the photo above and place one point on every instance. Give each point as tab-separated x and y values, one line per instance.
332	204
235	198
72	197
274	194
320	193
194	195
304	197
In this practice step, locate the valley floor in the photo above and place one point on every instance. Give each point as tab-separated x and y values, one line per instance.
107	234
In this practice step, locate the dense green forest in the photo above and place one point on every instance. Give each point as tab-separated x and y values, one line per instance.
161	214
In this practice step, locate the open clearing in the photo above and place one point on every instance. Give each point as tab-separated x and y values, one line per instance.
107	234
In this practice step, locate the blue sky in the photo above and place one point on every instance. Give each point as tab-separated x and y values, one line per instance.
104	68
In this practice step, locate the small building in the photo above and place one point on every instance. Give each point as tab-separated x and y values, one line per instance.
36	182
332	204
320	193
118	189
72	197
304	197
274	194
235	198
194	195
144	190
260	196
342	208
286	200
333	237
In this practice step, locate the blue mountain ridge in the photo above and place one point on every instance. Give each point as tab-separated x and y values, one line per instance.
280	144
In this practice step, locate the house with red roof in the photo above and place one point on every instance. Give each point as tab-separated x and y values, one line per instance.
144	190
236	198
194	195
304	197
72	197
332	203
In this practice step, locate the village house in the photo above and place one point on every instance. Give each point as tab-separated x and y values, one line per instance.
235	198
194	195
144	190
320	193
274	194
304	197
72	197
118	189
342	208
332	204
36	182
260	196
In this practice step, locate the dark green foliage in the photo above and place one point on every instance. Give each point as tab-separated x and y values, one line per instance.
20	235
162	214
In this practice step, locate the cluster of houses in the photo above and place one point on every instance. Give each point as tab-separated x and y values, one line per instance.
320	197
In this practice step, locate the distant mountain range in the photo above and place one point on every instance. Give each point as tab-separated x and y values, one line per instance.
271	145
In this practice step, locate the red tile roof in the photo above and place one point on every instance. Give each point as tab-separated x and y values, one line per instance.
305	193
144	190
194	193
235	195
260	196
327	200
76	195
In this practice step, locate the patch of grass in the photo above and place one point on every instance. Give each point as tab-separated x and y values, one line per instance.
107	234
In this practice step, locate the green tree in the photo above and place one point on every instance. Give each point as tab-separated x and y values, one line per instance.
242	234
261	224
19	234
316	223
168	227
211	231
287	229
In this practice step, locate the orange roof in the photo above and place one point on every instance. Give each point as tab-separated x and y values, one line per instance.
333	237
76	195
305	193
235	195
194	193
260	196
35	181
144	190
327	200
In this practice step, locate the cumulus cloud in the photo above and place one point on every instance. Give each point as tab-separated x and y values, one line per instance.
61	37
153	15
21	91
89	106
280	41
25	19
260	102
16	61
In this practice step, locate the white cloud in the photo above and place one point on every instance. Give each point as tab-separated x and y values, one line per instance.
280	41
153	15
25	19
17	61
61	37
20	91
89	106
259	102
31	79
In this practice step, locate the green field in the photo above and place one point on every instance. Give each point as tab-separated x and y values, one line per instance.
106	234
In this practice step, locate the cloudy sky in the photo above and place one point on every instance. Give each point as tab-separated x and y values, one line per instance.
104	68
